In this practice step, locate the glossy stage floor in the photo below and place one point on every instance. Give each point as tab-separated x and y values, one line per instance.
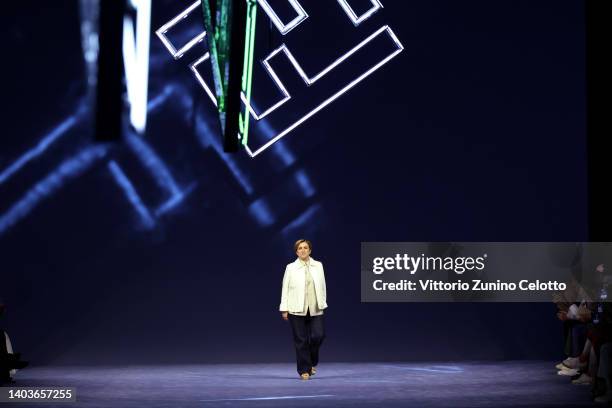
490	384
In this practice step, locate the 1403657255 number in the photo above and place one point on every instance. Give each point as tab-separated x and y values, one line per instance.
40	393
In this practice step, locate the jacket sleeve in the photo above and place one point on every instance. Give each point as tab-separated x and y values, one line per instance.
283	304
324	286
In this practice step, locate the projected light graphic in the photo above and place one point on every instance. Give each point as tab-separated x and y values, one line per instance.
284	29
136	61
163	30
376	5
68	169
74	166
140	169
130	192
40	149
263	209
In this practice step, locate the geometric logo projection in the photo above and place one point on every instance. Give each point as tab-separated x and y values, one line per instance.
309	78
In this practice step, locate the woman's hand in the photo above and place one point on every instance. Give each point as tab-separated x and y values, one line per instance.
285	315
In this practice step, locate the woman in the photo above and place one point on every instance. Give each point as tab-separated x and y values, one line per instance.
303	300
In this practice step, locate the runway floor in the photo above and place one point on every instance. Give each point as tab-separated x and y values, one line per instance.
476	384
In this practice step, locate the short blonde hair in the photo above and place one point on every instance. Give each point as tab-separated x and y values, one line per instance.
300	241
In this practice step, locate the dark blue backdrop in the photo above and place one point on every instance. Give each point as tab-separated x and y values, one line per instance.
475	132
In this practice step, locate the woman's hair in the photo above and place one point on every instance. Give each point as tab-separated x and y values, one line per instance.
299	241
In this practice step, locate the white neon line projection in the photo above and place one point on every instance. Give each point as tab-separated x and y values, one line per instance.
161	33
193	66
277	82
376	5
136	62
282	27
384	29
308	80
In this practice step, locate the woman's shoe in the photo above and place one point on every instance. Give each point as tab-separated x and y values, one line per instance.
305	376
569	372
313	371
571	362
584	379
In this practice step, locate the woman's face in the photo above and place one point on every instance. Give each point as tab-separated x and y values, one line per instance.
303	251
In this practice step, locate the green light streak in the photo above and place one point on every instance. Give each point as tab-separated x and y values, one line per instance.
247	71
223	29
218	44
219	41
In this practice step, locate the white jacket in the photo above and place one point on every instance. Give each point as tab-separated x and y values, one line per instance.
294	286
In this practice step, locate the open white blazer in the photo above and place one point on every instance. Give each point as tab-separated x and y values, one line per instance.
294	286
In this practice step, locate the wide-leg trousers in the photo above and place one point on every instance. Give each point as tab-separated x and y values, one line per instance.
308	335
4	358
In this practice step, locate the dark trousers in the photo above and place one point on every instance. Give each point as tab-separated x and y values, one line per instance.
4	361
308	335
599	334
575	333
